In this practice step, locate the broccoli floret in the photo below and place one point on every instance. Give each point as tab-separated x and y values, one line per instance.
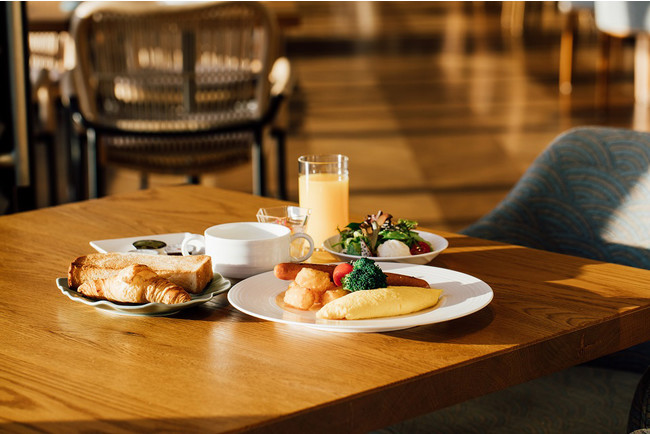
365	274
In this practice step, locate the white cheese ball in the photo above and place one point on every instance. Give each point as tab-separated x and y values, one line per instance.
393	248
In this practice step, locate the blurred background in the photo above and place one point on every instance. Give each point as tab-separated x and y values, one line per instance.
441	106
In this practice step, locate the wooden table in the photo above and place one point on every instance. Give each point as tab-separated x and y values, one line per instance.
67	367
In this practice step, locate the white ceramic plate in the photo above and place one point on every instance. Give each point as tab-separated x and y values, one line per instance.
437	242
216	286
126	244
462	295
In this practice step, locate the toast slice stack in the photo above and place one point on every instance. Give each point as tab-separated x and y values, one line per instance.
192	273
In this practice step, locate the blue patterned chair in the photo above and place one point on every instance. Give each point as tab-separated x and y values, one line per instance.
639	420
588	195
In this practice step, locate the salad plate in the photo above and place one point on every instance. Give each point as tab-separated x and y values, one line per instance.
217	285
462	295
438	244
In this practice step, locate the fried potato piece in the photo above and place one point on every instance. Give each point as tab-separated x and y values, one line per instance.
314	279
333	294
300	297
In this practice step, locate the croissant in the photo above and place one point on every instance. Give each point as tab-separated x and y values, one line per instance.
135	284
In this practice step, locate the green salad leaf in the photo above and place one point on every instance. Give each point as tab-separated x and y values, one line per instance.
363	238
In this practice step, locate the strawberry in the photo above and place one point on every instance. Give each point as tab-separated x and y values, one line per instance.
420	247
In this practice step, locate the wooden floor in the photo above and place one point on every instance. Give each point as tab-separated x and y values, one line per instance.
438	105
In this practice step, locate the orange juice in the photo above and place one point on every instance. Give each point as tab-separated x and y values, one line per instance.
327	195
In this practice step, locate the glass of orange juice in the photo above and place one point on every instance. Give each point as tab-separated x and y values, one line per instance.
324	187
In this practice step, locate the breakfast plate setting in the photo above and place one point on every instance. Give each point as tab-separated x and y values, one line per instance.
262	295
462	295
165	245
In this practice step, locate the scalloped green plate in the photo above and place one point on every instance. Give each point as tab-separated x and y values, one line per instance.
216	286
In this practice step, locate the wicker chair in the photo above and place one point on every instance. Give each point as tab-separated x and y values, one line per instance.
178	89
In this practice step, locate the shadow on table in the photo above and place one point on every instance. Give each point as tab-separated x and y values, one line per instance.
214	424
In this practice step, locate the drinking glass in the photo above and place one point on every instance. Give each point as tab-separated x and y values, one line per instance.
293	217
324	187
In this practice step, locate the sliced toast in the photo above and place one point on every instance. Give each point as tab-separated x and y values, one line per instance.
193	273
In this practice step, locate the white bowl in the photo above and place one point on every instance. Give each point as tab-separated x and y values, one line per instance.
438	244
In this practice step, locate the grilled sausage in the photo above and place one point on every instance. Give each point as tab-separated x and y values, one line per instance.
289	271
393	279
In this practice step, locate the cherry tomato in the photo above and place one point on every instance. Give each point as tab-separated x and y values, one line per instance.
340	271
420	247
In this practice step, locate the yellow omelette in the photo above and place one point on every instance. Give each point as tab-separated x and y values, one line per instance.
380	302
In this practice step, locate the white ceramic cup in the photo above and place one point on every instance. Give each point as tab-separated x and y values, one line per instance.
241	250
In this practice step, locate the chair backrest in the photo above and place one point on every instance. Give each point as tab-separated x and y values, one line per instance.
151	67
568	6
623	18
587	194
